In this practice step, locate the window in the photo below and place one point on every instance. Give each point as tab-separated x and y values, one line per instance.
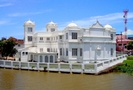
41	59
111	51
74	35
66	51
48	39
66	35
48	49
29	38
52	29
60	51
29	29
80	51
60	37
26	53
51	58
41	38
74	52
41	49
120	44
111	36
23	53
46	58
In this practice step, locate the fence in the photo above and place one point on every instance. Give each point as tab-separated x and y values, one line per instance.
63	67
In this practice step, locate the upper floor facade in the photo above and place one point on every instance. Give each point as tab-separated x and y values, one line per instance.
72	33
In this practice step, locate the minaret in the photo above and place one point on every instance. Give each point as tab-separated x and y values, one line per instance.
29	28
51	27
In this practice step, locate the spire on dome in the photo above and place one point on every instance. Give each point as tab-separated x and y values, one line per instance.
97	20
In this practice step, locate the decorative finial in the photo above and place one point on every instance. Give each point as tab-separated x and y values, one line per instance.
97	20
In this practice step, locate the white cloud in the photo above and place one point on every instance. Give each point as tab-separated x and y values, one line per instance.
5	5
27	14
128	32
3	22
109	18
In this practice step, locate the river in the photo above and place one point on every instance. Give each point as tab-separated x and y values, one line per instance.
33	80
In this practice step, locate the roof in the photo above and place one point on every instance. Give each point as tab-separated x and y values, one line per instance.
96	25
18	41
51	24
120	36
107	26
72	24
29	22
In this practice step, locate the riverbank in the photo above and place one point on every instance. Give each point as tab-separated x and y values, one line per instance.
126	66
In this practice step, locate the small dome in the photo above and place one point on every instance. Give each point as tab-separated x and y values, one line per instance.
51	24
107	26
29	22
72	25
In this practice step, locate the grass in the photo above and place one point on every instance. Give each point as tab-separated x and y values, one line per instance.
126	66
130	58
129	62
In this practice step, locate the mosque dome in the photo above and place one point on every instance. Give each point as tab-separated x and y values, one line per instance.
107	26
51	24
29	22
72	25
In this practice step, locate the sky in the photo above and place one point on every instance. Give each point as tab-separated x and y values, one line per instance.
13	14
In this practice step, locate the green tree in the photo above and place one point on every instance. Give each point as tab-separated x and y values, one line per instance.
7	48
130	45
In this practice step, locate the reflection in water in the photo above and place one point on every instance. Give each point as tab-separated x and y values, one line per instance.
32	80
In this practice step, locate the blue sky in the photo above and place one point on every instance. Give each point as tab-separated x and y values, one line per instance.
13	14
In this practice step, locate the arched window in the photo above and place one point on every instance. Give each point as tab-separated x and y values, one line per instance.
41	59
46	58
26	53
51	58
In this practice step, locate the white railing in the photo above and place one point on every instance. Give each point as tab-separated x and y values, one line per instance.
64	67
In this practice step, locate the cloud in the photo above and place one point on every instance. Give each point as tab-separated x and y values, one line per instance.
5	5
27	14
3	22
129	32
109	18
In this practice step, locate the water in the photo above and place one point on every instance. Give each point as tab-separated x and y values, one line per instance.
33	80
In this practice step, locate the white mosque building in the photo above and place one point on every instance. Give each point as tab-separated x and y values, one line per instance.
73	44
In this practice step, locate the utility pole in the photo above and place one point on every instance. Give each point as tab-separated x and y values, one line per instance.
121	44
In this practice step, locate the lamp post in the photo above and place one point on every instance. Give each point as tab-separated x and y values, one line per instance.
121	44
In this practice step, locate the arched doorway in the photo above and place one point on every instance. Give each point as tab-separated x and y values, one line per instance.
46	58
41	59
51	59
